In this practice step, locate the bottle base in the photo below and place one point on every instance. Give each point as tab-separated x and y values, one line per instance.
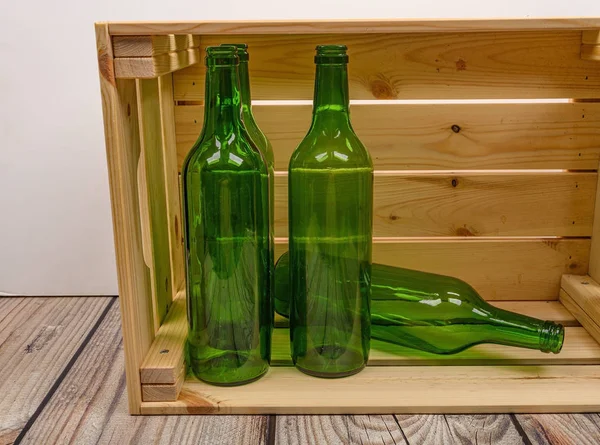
236	383
330	375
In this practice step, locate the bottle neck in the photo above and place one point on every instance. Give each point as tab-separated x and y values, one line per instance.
222	100
331	99
245	88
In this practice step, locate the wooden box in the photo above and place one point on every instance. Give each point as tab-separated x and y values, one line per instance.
485	137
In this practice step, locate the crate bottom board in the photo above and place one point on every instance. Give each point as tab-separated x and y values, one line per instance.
398	389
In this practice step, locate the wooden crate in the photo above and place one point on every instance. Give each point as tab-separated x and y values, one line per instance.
485	135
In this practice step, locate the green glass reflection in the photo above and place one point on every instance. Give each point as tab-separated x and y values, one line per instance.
436	313
226	213
330	228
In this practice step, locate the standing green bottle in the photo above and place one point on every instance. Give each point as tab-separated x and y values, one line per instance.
330	230
436	313
226	213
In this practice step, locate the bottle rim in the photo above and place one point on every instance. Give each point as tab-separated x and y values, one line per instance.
552	337
331	54
242	50
221	56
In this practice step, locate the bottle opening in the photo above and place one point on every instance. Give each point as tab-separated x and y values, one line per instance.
242	50
222	56
331	54
552	337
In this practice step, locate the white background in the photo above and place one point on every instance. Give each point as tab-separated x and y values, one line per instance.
55	222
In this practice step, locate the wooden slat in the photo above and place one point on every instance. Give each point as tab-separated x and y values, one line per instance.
580	429
152	67
165	359
594	270
167	393
582	297
338	430
119	106
545	310
473	204
590	45
149	46
508	269
38	337
579	349
90	406
350	26
150	125
421	136
174	220
417	66
398	389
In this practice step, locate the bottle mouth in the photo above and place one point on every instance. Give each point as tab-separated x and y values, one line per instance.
242	50
552	337
331	54
222	56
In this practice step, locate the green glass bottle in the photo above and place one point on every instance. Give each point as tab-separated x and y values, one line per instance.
436	313
330	229
226	215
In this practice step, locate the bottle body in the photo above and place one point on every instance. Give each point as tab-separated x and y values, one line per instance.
436	313
226	212
330	230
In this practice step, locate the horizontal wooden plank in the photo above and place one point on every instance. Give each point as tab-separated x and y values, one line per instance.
152	67
545	310
579	349
234	27
499	269
473	204
165	359
166	393
438	136
148	46
399	389
417	66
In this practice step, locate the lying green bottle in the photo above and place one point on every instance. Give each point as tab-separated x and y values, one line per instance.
226	228
436	313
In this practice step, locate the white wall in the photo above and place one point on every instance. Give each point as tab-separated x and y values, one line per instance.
55	222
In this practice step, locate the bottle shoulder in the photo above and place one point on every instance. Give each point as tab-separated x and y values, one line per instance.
331	147
234	151
259	138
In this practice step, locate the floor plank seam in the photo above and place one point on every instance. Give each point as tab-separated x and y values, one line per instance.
520	429
271	429
64	373
401	430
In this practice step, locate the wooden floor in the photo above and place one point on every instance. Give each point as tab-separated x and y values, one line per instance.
62	381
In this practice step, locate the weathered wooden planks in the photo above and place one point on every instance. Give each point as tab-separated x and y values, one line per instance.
90	406
499	269
567	429
38	337
472	204
432	136
417	66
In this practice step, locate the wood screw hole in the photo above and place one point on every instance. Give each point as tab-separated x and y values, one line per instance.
164	351
455	128
454	183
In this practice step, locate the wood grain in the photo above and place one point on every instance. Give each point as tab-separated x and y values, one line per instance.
90	406
579	349
338	430
499	269
148	46
472	204
152	67
421	136
350	26
581	294
483	65
594	269
167	393
590	324
38	337
401	390
429	429
484	430
151	143
171	175
564	429
119	107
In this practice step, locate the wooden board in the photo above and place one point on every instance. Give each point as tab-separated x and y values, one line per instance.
472	204
581	295
421	136
119	107
385	390
349	26
90	406
579	349
590	324
152	67
149	46
580	429
38	338
483	65
499	269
